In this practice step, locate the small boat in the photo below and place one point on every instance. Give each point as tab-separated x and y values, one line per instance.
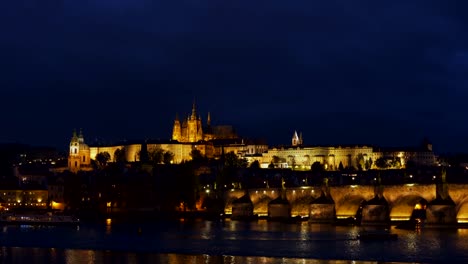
376	236
34	218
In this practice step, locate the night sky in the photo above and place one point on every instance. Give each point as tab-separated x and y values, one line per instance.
375	72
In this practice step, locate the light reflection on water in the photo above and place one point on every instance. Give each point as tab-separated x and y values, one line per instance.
94	257
226	242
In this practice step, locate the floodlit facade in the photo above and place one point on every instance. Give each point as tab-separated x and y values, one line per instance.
331	157
79	155
299	156
212	141
188	135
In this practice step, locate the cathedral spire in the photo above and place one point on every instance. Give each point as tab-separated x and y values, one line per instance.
208	119
295	139
194	110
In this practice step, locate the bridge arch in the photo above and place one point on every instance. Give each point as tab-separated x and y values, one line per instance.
349	205
261	205
462	211
348	199
403	207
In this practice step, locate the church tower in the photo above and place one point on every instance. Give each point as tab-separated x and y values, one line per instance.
194	126
176	130
296	139
190	128
79	155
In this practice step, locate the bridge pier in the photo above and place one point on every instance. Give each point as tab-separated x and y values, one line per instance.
442	210
441	214
322	210
430	202
375	212
242	208
279	209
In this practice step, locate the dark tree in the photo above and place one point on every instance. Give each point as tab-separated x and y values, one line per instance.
368	164
275	160
340	166
197	156
317	167
381	163
168	157
156	156
120	156
255	165
102	158
410	164
231	160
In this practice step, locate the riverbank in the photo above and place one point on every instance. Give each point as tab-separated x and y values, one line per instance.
155	216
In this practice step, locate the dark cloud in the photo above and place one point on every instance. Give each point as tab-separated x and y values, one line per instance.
341	71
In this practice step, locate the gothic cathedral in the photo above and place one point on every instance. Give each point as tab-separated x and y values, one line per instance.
191	129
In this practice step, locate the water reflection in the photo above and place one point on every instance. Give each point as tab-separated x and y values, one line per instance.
229	242
81	256
108	226
84	256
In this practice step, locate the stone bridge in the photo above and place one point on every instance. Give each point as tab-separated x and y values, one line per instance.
401	199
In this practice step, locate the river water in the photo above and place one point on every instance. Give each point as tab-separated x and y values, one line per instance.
231	242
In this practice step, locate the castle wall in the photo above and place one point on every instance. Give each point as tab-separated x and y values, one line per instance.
109	149
182	151
132	152
331	157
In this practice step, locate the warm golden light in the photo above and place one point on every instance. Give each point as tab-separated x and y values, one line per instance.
108	221
39	200
462	215
400	218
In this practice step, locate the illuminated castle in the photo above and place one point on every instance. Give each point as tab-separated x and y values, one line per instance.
187	135
191	129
